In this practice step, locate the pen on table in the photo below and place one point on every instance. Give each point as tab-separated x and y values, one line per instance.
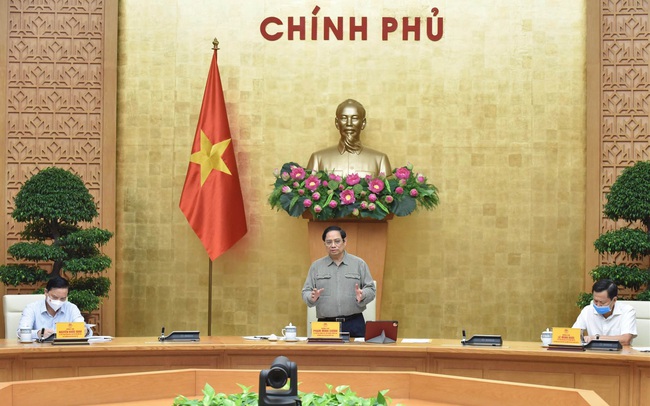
42	333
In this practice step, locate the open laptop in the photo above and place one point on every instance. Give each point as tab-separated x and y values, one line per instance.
381	331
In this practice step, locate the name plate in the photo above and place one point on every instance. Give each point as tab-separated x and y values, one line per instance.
567	336
71	330
325	329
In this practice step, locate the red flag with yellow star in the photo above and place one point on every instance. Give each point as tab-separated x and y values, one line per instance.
212	200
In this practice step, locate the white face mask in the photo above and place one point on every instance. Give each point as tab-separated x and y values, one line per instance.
54	304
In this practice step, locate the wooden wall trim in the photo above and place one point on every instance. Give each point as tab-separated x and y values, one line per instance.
59	80
593	211
618	120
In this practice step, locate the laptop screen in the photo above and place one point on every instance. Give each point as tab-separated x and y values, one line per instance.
381	331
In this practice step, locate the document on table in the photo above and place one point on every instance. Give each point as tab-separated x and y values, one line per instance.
99	339
416	340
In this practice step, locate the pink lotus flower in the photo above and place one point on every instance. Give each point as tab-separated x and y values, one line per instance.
389	199
325	183
376	185
341	187
333	204
335	177
399	190
312	183
316	196
307	203
285	176
402	173
420	178
318	209
301	192
402	182
364	205
355	212
297	173
413	192
372	207
372	197
296	185
352	179
286	189
276	172
347	197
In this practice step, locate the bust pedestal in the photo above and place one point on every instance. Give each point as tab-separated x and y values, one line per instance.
366	238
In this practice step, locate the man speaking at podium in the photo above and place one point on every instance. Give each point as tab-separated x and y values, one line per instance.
339	285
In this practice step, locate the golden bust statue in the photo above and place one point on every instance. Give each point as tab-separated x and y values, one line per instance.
350	156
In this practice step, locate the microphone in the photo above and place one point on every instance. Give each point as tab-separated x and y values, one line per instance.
464	340
162	334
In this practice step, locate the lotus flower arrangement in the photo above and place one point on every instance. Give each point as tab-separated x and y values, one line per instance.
328	196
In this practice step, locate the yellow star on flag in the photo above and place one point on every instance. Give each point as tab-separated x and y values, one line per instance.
209	157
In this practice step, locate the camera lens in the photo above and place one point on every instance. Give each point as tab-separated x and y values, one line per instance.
277	378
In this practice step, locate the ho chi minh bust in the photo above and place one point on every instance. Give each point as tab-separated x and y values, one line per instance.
350	156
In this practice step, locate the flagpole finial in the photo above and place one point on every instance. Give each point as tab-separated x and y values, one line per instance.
215	44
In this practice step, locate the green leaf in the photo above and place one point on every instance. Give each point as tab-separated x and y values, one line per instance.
87	265
405	206
54	195
634	242
36	251
99	286
21	274
629	276
85	300
289	204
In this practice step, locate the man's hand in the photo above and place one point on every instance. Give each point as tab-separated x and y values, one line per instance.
315	294
359	293
42	334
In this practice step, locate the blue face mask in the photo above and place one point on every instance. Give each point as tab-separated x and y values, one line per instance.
602	309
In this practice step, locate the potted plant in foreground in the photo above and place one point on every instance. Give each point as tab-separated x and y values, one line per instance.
341	395
52	204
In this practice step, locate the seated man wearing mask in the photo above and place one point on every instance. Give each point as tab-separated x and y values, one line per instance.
42	316
605	319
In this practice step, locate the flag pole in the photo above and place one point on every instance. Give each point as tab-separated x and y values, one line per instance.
215	47
209	297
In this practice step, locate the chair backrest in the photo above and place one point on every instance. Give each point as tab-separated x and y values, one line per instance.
642	322
369	314
13	306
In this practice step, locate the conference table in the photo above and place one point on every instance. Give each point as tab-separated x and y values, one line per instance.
620	377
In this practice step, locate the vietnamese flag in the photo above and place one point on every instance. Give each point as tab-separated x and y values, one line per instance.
212	200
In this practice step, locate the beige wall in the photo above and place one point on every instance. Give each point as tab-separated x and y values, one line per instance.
494	114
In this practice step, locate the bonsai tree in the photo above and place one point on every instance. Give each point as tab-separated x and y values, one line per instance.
629	200
52	203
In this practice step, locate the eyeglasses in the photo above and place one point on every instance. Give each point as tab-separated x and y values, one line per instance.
329	243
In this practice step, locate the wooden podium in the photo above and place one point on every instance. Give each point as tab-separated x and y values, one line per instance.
366	238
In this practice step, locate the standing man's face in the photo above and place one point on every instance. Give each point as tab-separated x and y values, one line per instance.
350	122
334	243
